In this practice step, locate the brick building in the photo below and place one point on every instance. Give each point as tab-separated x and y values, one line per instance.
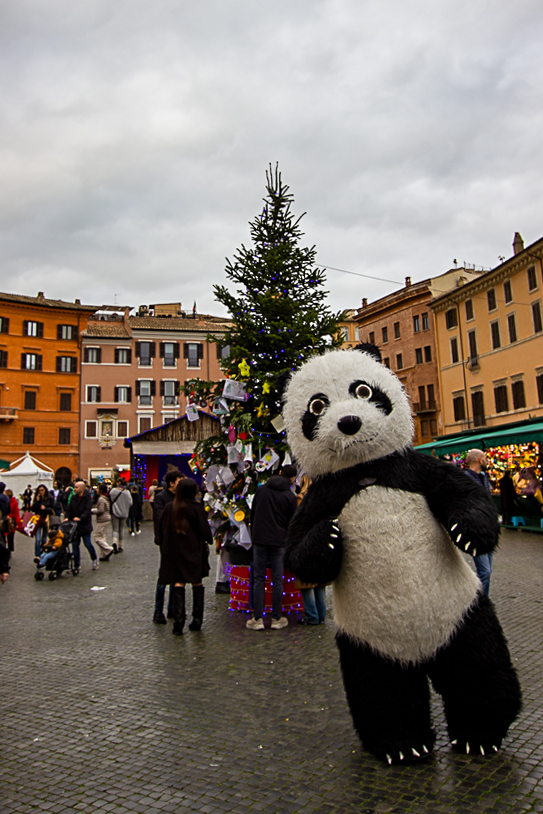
401	324
132	372
490	344
39	380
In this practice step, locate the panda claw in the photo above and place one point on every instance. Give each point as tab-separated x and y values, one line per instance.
466	546
467	748
417	754
459	538
454	742
495	748
331	545
454	527
482	750
389	760
401	755
425	749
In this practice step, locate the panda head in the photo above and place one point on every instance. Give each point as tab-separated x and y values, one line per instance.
345	408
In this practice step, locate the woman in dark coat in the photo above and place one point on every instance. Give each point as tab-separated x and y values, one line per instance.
184	535
43	506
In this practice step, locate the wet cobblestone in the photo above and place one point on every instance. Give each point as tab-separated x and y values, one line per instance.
102	711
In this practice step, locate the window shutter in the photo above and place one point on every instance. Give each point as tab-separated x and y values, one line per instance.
152	349
25	327
59	331
98	394
138	388
219	350
5	325
116	356
200	351
138	349
85	354
185	350
162	348
129	394
75	332
176	350
4	358
129	356
59	363
40	330
99	356
74	364
161	388
116	395
39	360
153	388
23	361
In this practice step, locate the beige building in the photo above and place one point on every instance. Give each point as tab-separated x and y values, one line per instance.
489	336
133	370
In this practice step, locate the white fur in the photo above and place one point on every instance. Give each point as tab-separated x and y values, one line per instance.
332	450
403	586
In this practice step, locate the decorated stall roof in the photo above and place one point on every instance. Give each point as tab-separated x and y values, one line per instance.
483	438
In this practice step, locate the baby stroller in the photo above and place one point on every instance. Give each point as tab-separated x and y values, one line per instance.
59	545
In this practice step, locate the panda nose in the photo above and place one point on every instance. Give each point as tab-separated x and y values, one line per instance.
349	424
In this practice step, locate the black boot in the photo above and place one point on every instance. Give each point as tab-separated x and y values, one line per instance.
179	615
197	607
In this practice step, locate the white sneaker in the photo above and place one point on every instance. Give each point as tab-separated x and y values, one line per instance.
132	534
94	565
255	624
277	624
139	531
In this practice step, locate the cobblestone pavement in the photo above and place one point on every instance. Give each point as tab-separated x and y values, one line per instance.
102	711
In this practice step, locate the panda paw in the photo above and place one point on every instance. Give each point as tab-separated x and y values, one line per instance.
461	539
475	747
334	533
404	753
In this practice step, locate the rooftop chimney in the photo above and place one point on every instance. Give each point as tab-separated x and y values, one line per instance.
407	282
41	295
77	302
364	302
518	243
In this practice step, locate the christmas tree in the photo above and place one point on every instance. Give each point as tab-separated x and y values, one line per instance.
279	319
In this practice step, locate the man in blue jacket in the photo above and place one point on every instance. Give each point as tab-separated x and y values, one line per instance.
273	507
477	465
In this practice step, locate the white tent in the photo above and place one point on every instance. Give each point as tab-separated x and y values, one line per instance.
24	471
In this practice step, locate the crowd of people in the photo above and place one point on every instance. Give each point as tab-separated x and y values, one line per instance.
183	535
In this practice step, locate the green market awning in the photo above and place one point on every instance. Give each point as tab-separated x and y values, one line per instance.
4	464
483	439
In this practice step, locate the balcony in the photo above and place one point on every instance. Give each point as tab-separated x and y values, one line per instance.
424	407
472	363
8	414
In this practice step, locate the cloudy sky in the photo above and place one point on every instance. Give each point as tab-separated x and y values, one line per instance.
135	137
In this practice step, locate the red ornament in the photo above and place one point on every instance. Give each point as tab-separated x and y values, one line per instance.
243	435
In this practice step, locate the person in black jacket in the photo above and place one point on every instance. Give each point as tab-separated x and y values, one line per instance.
42	506
135	511
273	507
162	498
79	510
5	554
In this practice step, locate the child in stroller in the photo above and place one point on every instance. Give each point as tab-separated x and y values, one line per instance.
56	550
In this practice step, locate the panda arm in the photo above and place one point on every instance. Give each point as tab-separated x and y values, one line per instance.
458	502
314	546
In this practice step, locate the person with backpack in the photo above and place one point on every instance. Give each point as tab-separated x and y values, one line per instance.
121	502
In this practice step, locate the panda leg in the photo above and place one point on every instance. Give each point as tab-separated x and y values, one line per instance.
474	675
389	703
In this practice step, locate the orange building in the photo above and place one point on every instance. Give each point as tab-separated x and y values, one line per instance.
401	324
39	380
490	344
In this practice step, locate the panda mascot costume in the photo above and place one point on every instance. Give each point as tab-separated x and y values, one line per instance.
387	525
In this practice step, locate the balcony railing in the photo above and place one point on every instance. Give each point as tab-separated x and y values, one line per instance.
8	414
424	407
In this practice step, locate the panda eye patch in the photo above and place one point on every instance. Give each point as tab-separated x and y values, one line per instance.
317	406
363	391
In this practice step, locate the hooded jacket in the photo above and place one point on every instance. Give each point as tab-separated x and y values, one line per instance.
273	507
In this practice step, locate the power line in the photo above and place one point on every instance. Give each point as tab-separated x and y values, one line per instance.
358	274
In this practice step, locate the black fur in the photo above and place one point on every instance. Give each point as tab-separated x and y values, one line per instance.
377	397
370	349
452	497
310	420
473	673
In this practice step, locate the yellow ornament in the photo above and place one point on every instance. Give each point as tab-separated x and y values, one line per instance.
266	388
239	516
244	368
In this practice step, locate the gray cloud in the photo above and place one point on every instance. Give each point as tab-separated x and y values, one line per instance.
135	138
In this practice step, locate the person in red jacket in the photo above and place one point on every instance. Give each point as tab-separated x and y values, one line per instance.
14	516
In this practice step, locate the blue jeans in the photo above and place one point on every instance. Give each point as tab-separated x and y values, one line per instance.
88	545
483	566
46	557
159	599
262	555
314	605
40	535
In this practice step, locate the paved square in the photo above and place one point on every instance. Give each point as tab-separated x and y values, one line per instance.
102	711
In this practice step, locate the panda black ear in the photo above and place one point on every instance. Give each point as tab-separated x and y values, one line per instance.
371	350
281	384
